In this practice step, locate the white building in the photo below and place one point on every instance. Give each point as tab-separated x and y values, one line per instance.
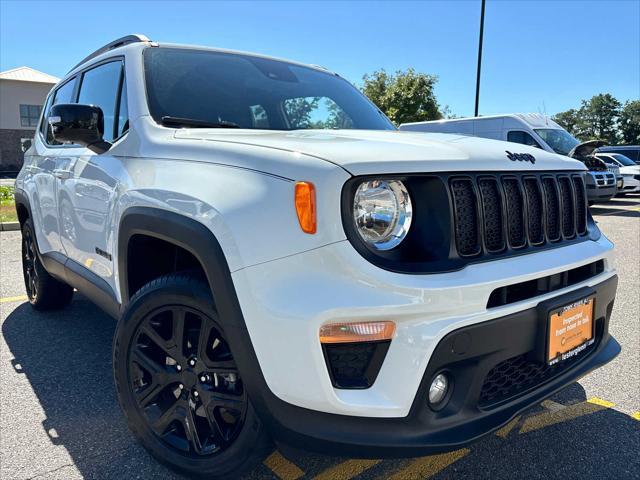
22	94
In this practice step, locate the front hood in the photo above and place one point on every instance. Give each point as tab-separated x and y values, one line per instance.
376	152
585	149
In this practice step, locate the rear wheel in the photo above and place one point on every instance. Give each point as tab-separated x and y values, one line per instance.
179	385
44	291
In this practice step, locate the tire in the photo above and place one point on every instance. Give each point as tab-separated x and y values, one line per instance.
44	291
178	384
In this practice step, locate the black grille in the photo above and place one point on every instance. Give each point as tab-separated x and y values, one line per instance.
466	217
516	375
539	286
552	208
581	205
535	208
515	212
491	212
568	209
354	365
493	217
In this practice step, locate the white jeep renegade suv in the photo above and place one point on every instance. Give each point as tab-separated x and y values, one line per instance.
284	264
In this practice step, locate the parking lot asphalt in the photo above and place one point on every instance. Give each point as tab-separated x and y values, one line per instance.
59	418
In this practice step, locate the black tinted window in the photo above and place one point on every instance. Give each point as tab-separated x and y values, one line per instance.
518	136
632	154
63	94
252	92
99	87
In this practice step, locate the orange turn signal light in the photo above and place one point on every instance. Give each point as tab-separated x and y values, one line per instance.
305	200
357	332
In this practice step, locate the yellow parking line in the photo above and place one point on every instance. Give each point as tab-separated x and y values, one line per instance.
426	467
19	298
347	470
283	468
571	412
504	431
602	403
636	415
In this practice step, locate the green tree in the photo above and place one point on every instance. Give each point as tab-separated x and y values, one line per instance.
598	117
299	111
629	122
337	118
404	96
445	112
570	121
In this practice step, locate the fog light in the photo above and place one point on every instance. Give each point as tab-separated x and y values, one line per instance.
438	389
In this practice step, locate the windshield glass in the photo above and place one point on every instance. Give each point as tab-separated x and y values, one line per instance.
624	161
234	90
560	141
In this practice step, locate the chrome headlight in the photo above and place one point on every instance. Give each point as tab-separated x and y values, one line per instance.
382	213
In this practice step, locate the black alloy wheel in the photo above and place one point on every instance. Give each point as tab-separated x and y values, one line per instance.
185	381
29	260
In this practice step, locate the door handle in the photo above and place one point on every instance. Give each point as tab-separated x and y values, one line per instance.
62	174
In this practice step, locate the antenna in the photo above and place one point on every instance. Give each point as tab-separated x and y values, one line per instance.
479	56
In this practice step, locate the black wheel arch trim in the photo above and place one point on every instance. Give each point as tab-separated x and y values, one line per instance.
201	242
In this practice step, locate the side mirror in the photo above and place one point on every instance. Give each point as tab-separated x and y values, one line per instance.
80	124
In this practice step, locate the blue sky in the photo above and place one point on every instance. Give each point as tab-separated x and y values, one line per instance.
542	56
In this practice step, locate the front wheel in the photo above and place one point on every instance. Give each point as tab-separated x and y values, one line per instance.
178	383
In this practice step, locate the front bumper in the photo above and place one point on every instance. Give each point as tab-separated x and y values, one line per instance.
284	303
462	421
630	184
468	355
600	193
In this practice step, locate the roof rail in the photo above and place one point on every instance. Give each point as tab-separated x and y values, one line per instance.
135	38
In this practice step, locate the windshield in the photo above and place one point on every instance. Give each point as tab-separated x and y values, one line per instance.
560	141
209	88
624	161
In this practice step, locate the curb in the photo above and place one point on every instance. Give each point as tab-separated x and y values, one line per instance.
9	226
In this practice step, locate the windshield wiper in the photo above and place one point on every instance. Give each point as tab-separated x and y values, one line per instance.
193	123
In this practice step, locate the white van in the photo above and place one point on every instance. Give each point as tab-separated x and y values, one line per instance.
531	129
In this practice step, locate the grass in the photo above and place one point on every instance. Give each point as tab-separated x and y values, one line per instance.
7	205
